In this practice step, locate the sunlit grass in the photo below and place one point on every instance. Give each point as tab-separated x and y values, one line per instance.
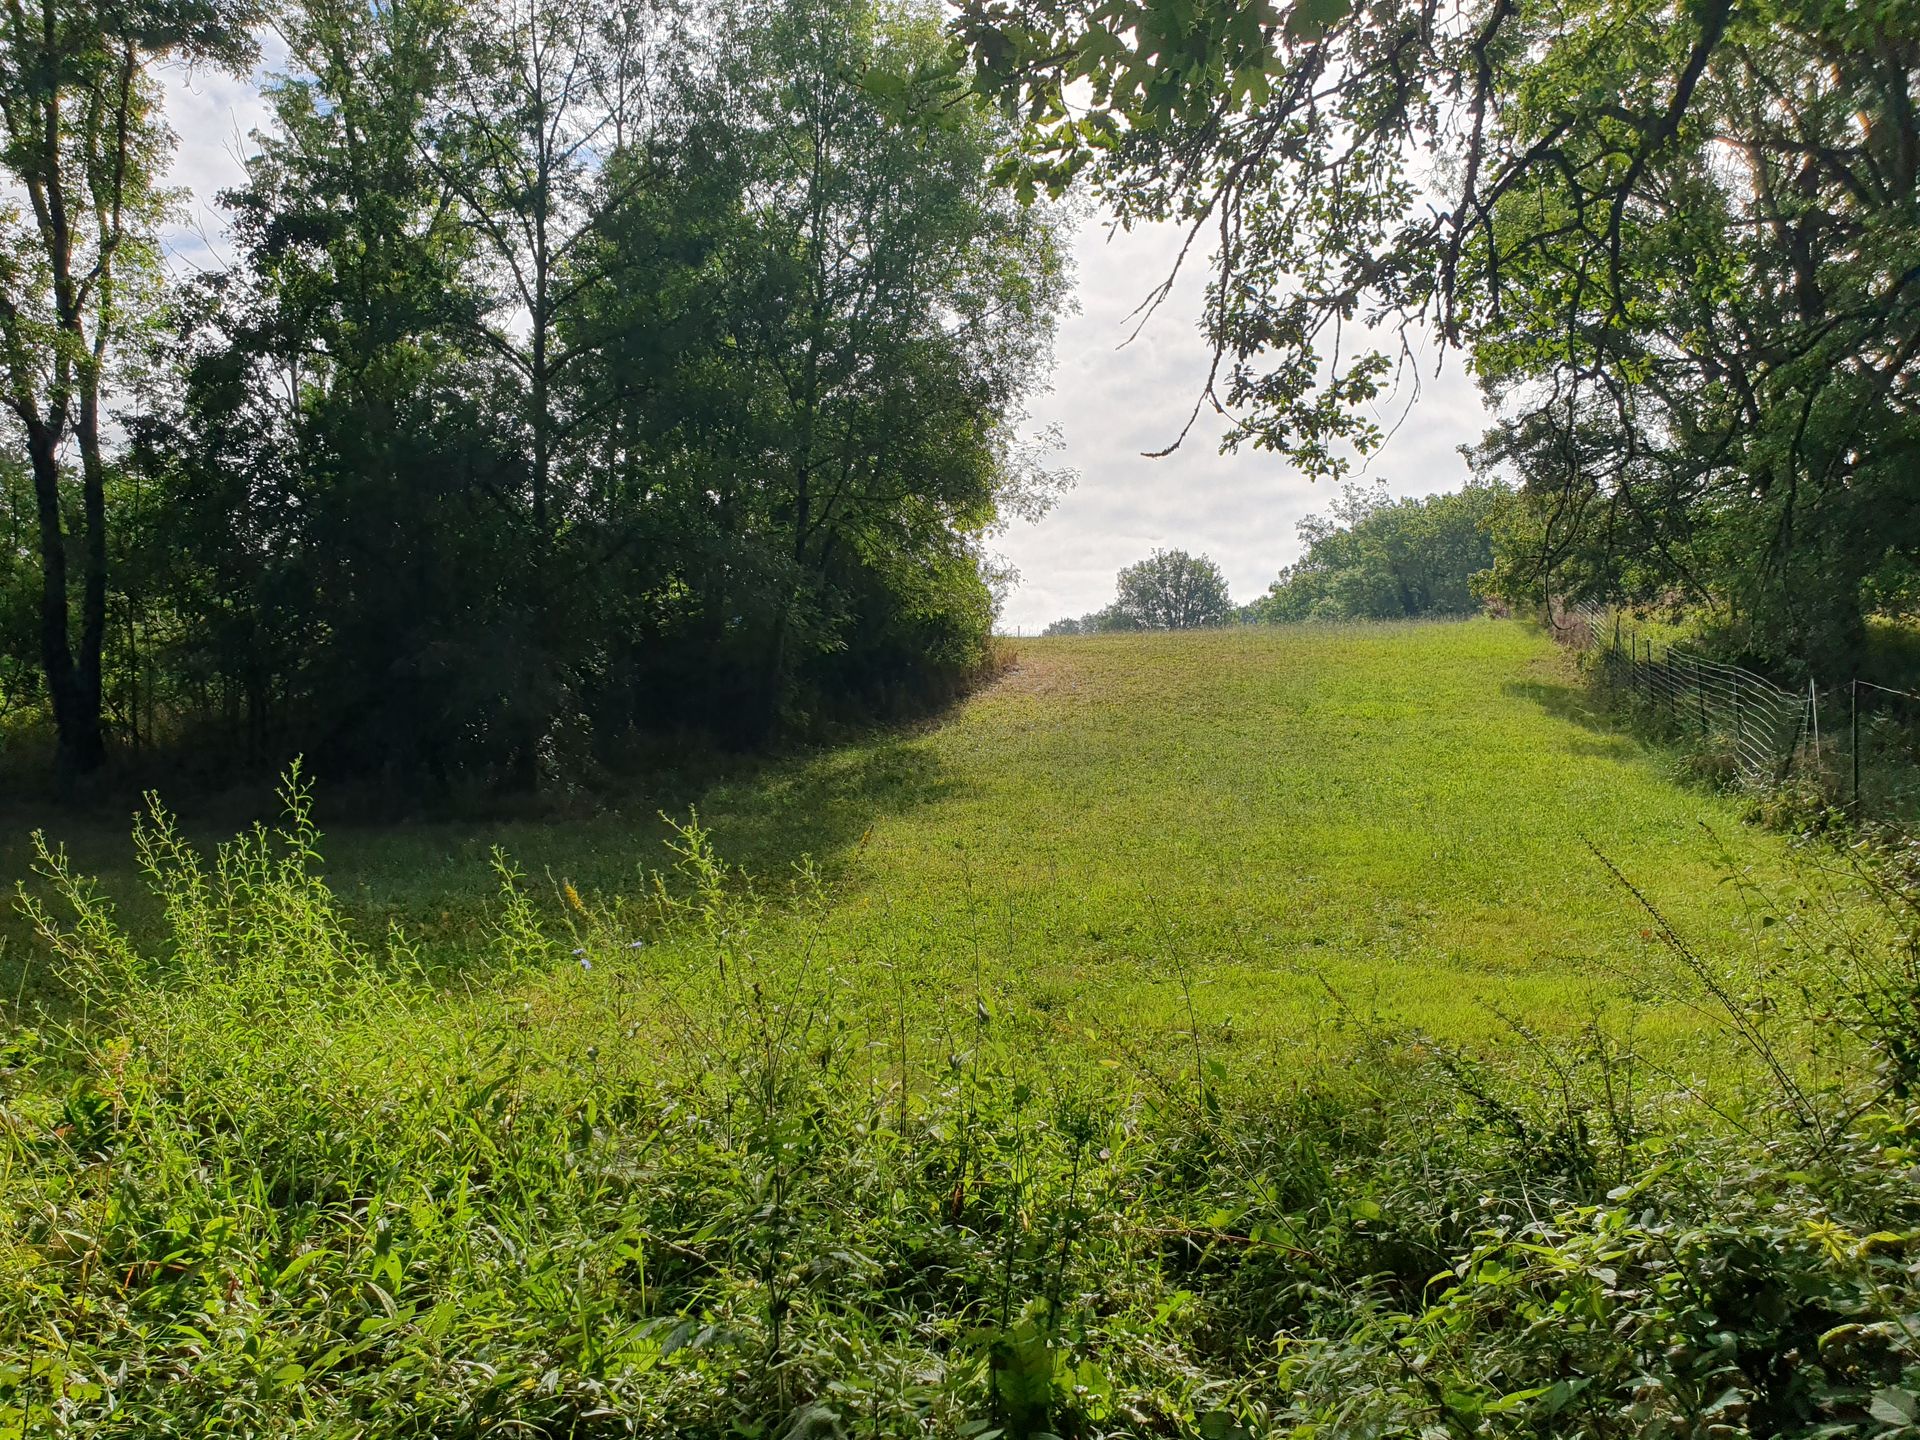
1395	815
1059	1063
1268	824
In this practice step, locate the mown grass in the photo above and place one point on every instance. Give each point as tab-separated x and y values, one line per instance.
1140	1045
1400	814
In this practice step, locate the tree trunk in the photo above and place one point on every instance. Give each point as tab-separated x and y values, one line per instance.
80	743
93	579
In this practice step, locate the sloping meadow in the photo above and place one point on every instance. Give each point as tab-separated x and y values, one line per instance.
708	1156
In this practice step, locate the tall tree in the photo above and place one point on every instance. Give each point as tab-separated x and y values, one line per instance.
352	542
1172	590
1680	244
905	311
543	95
789	322
82	138
832	423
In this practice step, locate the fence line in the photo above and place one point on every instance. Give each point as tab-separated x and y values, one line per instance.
1768	731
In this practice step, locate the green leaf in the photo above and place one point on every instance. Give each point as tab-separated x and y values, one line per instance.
1515	1400
1311	19
295	1266
1894	1406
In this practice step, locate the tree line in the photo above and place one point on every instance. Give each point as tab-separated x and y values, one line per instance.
1680	248
579	374
1370	557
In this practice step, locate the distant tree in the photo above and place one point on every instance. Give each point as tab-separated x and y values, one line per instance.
1376	558
1172	590
1095	622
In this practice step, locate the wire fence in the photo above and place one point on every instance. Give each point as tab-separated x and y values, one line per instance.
1855	739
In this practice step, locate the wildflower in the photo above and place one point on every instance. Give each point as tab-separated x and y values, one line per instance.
636	945
573	897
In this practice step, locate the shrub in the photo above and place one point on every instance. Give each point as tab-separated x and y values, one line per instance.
641	1173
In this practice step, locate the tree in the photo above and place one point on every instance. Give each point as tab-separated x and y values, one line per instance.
1680	246
847	366
542	97
344	532
1172	590
82	139
1376	558
557	397
1108	621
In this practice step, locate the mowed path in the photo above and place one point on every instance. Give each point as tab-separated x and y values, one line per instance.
1258	821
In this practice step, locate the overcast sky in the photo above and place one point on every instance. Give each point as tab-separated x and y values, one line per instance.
1113	403
1110	404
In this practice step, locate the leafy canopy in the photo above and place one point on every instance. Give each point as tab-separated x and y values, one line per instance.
1376	558
1679	245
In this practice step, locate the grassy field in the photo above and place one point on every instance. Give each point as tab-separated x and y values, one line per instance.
1251	821
1398	814
1045	1098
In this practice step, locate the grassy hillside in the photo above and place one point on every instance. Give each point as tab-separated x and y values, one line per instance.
1044	1100
1245	818
1399	812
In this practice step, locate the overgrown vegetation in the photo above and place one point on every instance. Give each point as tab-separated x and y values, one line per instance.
1307	1030
644	1169
1836	759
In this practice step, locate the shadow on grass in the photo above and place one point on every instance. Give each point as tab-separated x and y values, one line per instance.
824	804
435	879
1572	703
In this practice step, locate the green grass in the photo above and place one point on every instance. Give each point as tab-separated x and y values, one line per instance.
1398	814
1045	1103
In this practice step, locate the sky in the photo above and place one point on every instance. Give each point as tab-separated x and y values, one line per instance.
1110	403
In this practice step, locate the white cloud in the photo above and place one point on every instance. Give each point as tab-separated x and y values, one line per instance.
1112	404
214	114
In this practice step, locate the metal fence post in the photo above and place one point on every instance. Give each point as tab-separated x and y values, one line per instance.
1853	738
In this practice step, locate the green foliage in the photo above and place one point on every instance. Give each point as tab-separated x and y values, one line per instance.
1096	622
1678	247
1169	590
1172	590
83	150
646	1171
581	379
1375	558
